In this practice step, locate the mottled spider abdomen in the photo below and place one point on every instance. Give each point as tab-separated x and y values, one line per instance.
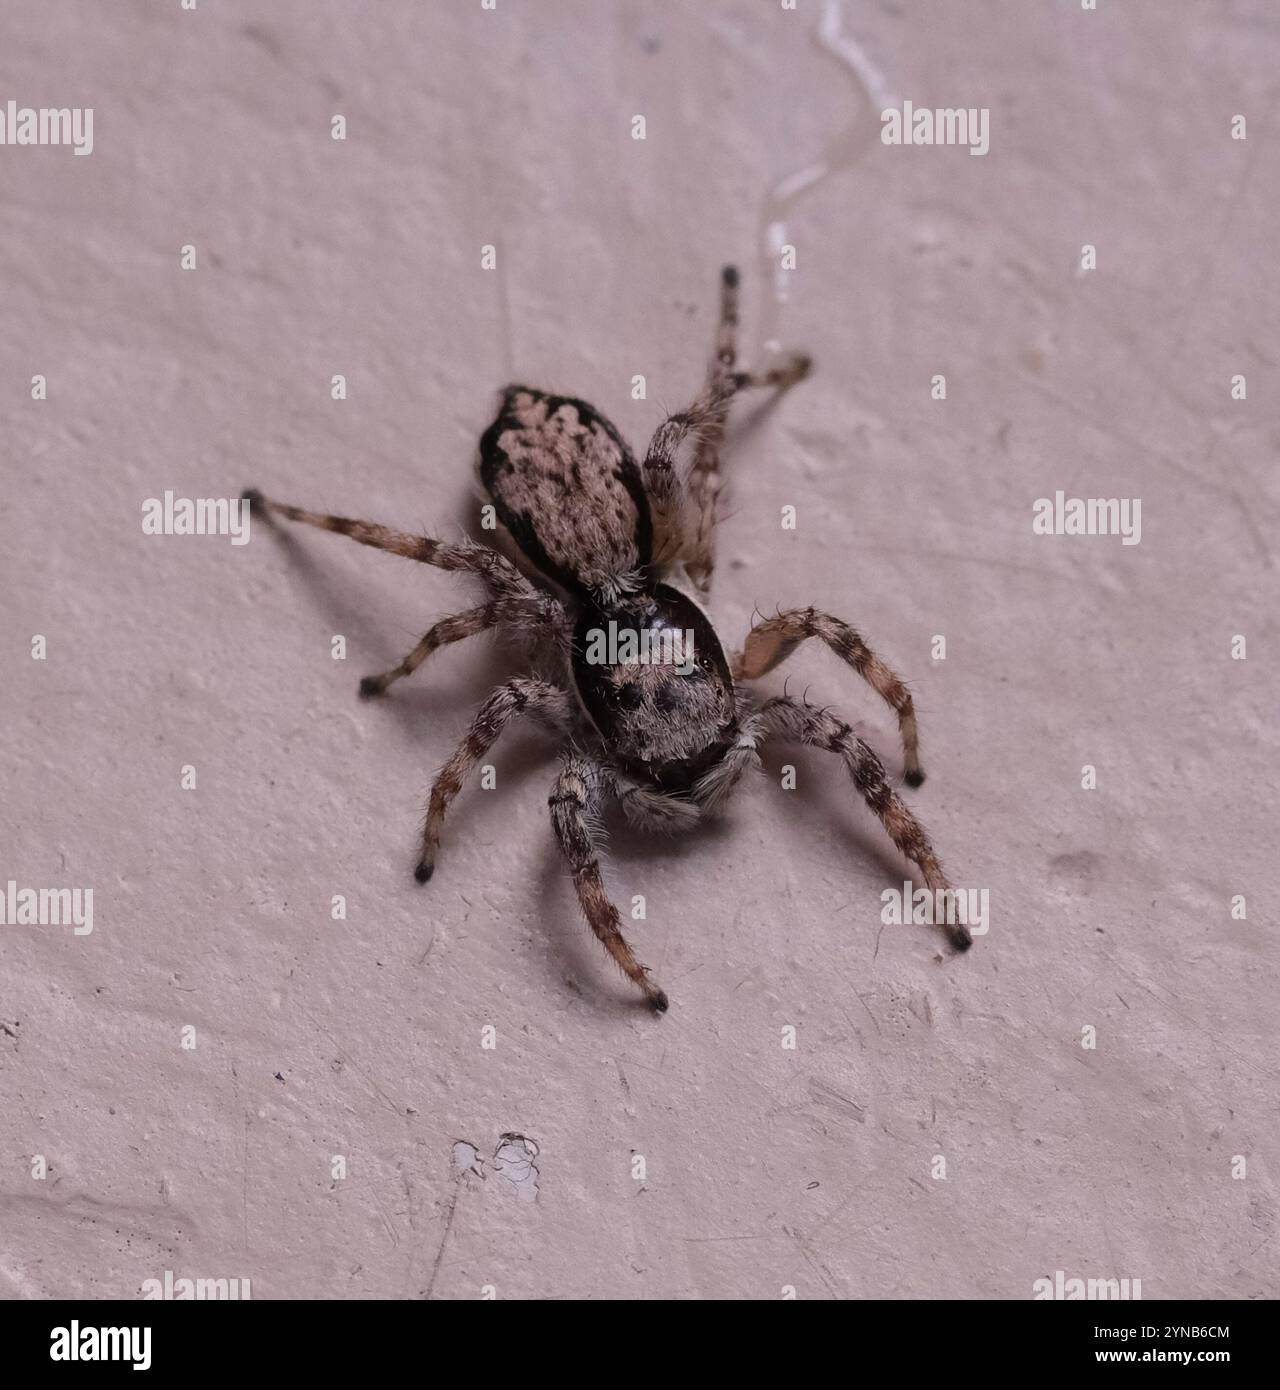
568	489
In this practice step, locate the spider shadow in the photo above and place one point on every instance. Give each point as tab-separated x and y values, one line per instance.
575	959
750	420
423	702
831	805
828	809
588	972
316	578
418	695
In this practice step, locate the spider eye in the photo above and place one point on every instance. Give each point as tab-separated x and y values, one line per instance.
629	696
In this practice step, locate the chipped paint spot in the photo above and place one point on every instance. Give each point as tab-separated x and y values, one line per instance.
513	1158
466	1158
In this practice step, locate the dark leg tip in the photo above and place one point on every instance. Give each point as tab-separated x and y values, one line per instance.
658	1001
730	276
961	938
371	686
253	497
914	779
424	871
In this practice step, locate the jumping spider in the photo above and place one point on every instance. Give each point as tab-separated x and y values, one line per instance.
595	542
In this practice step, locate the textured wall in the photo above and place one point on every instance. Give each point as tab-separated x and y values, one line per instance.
764	1167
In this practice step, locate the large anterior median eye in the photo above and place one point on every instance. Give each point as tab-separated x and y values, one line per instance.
629	696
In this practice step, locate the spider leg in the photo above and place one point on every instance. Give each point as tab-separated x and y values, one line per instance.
466	557
771	642
540	612
719	781
703	486
820	729
791	369
726	353
693	538
574	802
705	418
655	811
535	698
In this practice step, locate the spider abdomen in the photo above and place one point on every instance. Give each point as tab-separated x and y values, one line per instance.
568	489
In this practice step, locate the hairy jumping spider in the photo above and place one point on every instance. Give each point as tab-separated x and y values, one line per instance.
594	541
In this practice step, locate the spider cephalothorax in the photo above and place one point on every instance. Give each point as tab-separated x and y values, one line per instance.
603	557
653	678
